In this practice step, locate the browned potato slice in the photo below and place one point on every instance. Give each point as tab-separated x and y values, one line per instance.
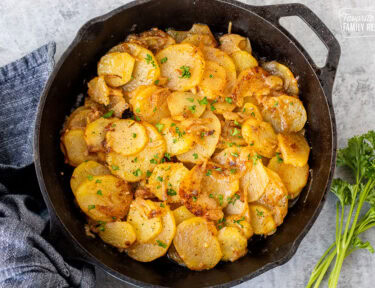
213	81
75	147
260	136
230	43
157	246
221	107
221	58
145	218
153	39
116	68
177	173
294	149
205	146
104	198
127	138
199	39
197	244
183	65
177	139
192	35
261	220
290	82
117	103
233	243
181	214
285	113
135	168
243	60
251	110
150	103
80	117
241	222
95	133
118	234
98	90
85	171
184	105
158	181
173	255
255	181
294	178
146	69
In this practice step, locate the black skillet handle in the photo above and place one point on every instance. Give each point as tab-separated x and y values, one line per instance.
326	74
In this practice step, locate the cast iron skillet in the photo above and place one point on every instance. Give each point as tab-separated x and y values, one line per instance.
269	40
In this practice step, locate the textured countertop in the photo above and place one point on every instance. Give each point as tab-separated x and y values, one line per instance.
26	25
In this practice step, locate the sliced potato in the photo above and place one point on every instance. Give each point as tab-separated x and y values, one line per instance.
233	243
294	149
240	222
116	68
181	214
153	39
255	181
221	58
158	181
127	138
98	90
230	43
75	147
251	110
205	147
135	168
95	133
176	138
158	246
290	82
173	255
177	173
80	117
184	105
221	107
146	69
118	234
243	60
104	198
117	103
213	81
197	244
260	136
199	40
144	216
197	32
184	66
285	113
294	178
261	220
85	171
150	103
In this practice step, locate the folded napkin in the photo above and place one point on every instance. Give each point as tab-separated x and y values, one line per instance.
27	259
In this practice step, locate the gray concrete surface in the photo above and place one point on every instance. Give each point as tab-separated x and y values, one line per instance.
26	25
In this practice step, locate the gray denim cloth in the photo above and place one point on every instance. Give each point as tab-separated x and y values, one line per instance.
27	259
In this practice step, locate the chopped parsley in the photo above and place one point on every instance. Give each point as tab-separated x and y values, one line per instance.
163	60
137	172
220	198
203	101
211	76
190	99
192	108
208	173
98	181
90	207
99	192
167	155
161	244
229	100
148	173
114	167
171	192
150	60
233	171
159	126
156	82
159	178
256	157
260	213
134	135
185	72
108	114
90	177
238	221
232	200
138	110
279	159
194	198
162	205
235	132
234	154
195	155
276	104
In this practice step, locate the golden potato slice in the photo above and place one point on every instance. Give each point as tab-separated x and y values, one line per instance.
118	234
144	216
213	82
135	168
104	198
159	179
294	178
260	136
243	60
150	103
240	222
177	173
116	68
221	107
221	58
85	171
75	147
146	69
261	220
157	246
127	138
173	255
184	66
153	39
250	110
285	113
196	30
199	40
233	243
98	90
181	214
206	144
294	149
230	43
290	82
184	105
177	139
197	244
80	117
95	133
255	181
117	103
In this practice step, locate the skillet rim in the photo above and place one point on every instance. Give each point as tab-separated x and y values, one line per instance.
87	256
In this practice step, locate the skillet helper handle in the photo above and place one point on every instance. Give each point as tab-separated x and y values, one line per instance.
326	74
